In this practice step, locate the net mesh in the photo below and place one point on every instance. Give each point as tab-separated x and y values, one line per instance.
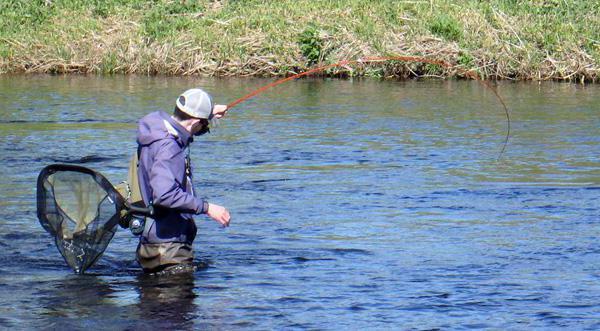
80	209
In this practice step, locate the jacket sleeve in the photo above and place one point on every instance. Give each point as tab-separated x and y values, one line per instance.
166	175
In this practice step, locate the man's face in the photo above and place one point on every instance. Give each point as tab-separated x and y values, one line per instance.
200	127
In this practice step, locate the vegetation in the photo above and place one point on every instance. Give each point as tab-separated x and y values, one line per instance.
505	39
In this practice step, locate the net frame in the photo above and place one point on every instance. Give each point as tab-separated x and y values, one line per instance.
52	217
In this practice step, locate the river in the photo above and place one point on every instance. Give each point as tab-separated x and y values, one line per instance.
357	204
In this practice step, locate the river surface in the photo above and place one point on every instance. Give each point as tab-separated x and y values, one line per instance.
356	204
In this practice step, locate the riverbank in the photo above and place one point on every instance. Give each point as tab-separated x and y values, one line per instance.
499	39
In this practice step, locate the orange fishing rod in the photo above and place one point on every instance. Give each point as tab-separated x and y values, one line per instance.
467	73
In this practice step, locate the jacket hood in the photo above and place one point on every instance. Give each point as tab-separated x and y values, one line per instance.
159	125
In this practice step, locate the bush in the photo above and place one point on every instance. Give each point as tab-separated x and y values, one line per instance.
311	45
465	59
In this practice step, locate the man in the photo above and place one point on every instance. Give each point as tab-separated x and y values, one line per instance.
165	178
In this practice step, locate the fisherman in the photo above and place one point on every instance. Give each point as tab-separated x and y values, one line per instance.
165	180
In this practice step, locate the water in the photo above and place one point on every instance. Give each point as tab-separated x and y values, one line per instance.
356	204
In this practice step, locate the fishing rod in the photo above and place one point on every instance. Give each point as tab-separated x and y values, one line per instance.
411	59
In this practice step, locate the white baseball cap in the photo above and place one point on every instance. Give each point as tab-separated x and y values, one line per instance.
196	103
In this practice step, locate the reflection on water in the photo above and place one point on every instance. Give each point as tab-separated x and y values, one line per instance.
74	297
167	302
356	204
163	302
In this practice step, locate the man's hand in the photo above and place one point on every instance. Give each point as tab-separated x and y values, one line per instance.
219	214
219	111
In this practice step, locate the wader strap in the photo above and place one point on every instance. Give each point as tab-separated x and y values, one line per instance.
188	163
139	152
133	179
188	172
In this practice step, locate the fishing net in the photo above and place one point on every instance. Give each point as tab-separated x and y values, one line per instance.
81	210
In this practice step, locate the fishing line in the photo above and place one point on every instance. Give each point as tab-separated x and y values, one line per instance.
411	59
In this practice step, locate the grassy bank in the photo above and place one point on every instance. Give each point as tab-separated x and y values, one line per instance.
506	39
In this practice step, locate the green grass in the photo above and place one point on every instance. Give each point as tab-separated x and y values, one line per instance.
516	39
446	27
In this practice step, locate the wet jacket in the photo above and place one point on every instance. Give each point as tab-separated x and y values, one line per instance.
164	180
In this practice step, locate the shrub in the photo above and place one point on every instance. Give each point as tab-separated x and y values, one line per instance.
311	44
465	59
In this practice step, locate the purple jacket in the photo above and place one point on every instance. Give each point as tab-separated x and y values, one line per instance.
163	180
